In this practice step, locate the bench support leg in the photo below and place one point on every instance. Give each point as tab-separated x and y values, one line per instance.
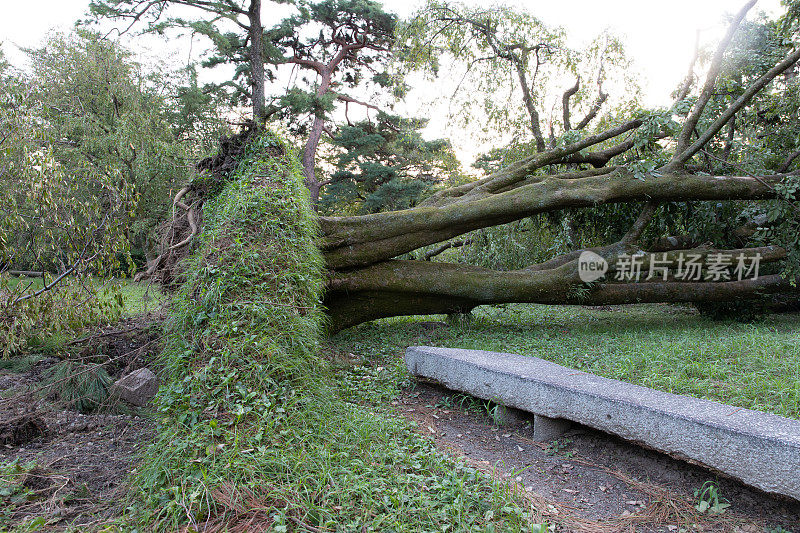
546	429
508	416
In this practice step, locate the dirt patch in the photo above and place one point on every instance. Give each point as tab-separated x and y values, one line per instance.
590	481
64	468
18	429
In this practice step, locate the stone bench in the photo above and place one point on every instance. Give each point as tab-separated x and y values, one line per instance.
760	449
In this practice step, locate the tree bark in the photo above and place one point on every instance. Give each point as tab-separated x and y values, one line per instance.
396	288
363	240
256	35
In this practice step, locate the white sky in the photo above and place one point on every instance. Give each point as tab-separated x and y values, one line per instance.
659	35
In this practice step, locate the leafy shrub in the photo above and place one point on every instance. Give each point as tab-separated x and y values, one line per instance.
745	311
71	305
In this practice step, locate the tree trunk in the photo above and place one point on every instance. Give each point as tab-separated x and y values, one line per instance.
256	35
314	136
396	288
367	280
363	240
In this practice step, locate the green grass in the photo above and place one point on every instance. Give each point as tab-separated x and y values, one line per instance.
666	347
137	297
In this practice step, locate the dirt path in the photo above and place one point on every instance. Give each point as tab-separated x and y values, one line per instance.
591	481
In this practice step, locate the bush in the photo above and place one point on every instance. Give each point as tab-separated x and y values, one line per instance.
745	312
74	303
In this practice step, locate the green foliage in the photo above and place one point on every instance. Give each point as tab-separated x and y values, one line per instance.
74	303
484	51
218	19
89	157
79	386
20	364
55	214
515	245
14	489
252	422
334	21
782	225
107	118
385	165
709	500
760	141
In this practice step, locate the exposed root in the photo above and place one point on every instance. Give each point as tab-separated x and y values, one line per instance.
178	234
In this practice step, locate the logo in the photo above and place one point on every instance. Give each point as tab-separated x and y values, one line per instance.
591	266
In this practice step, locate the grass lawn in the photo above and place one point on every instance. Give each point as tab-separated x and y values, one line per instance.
666	347
137	298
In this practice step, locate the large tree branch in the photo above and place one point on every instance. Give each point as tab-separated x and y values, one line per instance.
397	288
569	93
520	170
681	157
684	137
362	240
593	111
684	89
787	163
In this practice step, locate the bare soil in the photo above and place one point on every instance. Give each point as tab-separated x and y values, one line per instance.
590	481
76	465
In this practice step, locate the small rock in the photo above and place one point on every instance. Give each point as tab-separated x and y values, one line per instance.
137	388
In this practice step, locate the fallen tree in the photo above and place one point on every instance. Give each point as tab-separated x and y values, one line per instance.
367	280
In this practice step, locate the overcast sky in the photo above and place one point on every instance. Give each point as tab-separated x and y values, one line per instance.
659	35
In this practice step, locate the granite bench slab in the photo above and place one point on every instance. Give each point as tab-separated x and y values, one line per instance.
759	449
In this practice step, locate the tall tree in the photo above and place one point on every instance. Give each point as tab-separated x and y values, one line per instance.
367	281
342	44
105	115
234	28
385	164
509	70
60	220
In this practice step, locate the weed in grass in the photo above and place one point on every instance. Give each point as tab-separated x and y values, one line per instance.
709	500
557	446
13	488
